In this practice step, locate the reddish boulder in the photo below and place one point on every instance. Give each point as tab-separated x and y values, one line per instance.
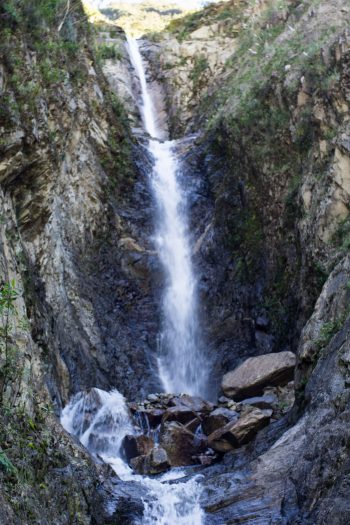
133	446
155	462
180	444
179	413
218	419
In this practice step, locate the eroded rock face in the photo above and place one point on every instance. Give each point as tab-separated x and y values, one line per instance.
179	444
210	45
255	373
75	192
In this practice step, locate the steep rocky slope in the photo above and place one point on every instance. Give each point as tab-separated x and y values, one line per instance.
74	256
67	173
267	87
272	164
270	213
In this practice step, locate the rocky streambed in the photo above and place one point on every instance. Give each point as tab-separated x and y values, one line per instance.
165	433
181	430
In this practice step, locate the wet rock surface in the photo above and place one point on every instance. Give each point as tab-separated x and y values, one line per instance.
218	418
192	431
240	432
269	202
156	462
133	446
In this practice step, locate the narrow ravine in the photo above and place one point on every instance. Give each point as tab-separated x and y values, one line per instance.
181	348
101	420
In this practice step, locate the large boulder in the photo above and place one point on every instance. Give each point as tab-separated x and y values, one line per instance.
252	376
194	403
115	502
218	419
133	446
267	401
155	462
180	444
179	413
239	432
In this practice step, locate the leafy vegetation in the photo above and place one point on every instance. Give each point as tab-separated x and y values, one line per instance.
51	29
328	330
341	237
266	135
108	51
198	75
10	360
36	15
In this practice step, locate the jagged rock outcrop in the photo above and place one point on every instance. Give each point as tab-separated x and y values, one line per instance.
75	256
77	227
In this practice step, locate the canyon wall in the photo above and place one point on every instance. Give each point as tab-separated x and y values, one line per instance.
264	89
271	224
77	266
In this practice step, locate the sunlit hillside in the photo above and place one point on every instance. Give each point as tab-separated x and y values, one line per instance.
138	18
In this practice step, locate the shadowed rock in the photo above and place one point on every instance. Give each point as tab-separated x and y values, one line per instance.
194	403
267	401
155	462
181	414
239	432
180	444
218	419
134	446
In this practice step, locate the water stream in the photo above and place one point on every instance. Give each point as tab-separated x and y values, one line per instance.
181	357
101	419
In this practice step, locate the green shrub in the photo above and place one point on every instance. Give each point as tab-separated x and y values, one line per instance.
107	51
6	464
341	237
198	73
328	330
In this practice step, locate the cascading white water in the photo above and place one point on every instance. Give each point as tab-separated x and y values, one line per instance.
181	366
101	420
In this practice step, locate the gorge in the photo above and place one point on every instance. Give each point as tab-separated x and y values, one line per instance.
174	288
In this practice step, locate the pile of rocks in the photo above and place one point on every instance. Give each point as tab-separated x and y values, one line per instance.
179	430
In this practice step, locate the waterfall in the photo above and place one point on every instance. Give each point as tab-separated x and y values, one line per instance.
100	420
181	358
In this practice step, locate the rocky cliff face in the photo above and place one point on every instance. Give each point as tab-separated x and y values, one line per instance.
272	164
271	217
68	178
268	180
75	254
